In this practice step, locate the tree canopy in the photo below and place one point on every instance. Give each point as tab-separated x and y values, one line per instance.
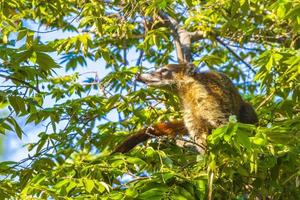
256	43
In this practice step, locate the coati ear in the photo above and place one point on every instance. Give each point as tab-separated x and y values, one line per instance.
190	69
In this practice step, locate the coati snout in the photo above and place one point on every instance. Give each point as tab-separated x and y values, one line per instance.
167	75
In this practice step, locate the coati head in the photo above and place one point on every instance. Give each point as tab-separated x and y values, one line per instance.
168	75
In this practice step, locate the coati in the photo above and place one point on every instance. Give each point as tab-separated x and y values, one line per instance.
208	99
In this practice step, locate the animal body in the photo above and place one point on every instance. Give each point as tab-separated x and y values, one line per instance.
208	99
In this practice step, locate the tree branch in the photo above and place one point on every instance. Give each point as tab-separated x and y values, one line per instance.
235	54
197	35
21	81
185	44
139	60
181	38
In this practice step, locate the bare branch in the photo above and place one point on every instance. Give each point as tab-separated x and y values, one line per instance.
185	44
139	60
235	54
57	29
21	81
197	35
269	97
170	21
173	24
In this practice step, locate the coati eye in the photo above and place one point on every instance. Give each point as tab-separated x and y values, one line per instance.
164	71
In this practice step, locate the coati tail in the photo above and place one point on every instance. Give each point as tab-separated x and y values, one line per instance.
132	141
171	128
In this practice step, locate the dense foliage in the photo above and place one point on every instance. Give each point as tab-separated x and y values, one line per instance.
256	43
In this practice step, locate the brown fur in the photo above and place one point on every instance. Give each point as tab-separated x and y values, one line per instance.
208	99
160	129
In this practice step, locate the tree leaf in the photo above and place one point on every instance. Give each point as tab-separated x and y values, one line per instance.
243	139
22	34
89	185
13	102
16	126
71	186
269	64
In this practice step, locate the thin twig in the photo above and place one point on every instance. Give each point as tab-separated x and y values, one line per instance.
140	58
266	100
50	31
246	48
192	142
21	81
210	187
291	177
235	55
175	27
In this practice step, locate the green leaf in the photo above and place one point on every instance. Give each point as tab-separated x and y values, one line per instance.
154	193
242	2
181	194
89	185
22	34
22	56
71	186
179	197
62	183
135	160
269	64
259	141
162	4
13	102
112	101
217	134
16	126
18	104
42	48
6	165
243	139
201	186
132	193
42	142
6	126
281	11
45	61
294	12
38	179
242	171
